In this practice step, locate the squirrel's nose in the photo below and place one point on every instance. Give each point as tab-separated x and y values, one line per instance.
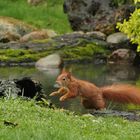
57	85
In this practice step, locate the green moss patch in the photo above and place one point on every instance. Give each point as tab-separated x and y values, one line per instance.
21	55
86	52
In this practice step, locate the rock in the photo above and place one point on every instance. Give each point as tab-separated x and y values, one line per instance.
97	34
133	116
117	38
14	27
9	36
49	62
122	56
11	24
75	38
38	35
96	15
51	33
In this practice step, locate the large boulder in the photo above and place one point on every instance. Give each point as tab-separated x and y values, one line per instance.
11	29
96	15
49	62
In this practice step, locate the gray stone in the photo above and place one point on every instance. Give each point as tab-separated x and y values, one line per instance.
117	38
133	116
8	36
97	34
125	56
49	62
38	35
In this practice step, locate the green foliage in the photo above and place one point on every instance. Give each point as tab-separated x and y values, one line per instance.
132	27
136	1
21	119
47	15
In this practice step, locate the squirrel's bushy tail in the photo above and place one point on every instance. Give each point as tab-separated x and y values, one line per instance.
122	93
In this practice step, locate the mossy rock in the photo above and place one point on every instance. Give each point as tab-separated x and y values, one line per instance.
70	48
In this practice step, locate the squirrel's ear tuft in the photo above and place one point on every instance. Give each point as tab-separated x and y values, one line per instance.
63	70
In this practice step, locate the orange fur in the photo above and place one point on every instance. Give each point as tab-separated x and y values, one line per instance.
93	96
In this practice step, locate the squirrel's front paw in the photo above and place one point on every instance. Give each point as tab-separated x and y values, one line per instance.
53	93
62	99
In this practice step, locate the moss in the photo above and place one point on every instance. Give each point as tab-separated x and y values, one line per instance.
82	53
41	41
3	58
133	107
21	55
14	53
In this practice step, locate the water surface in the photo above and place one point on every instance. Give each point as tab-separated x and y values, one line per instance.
100	75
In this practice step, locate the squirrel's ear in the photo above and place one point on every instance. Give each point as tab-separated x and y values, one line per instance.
63	70
66	71
69	75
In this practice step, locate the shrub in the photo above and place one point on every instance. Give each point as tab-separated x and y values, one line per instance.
132	27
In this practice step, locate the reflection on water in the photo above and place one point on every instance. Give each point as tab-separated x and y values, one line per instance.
98	74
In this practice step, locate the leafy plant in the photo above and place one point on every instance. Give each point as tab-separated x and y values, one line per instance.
136	1
132	27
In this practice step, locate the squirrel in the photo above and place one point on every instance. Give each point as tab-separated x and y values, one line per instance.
93	97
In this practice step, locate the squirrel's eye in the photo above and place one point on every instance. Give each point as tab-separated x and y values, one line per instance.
64	79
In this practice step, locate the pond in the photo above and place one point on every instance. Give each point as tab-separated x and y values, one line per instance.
100	75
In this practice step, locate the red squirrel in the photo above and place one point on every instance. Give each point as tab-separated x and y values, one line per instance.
93	96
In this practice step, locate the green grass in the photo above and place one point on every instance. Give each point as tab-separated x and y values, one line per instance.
47	15
32	122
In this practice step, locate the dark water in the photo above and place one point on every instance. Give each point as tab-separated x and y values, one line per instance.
100	75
